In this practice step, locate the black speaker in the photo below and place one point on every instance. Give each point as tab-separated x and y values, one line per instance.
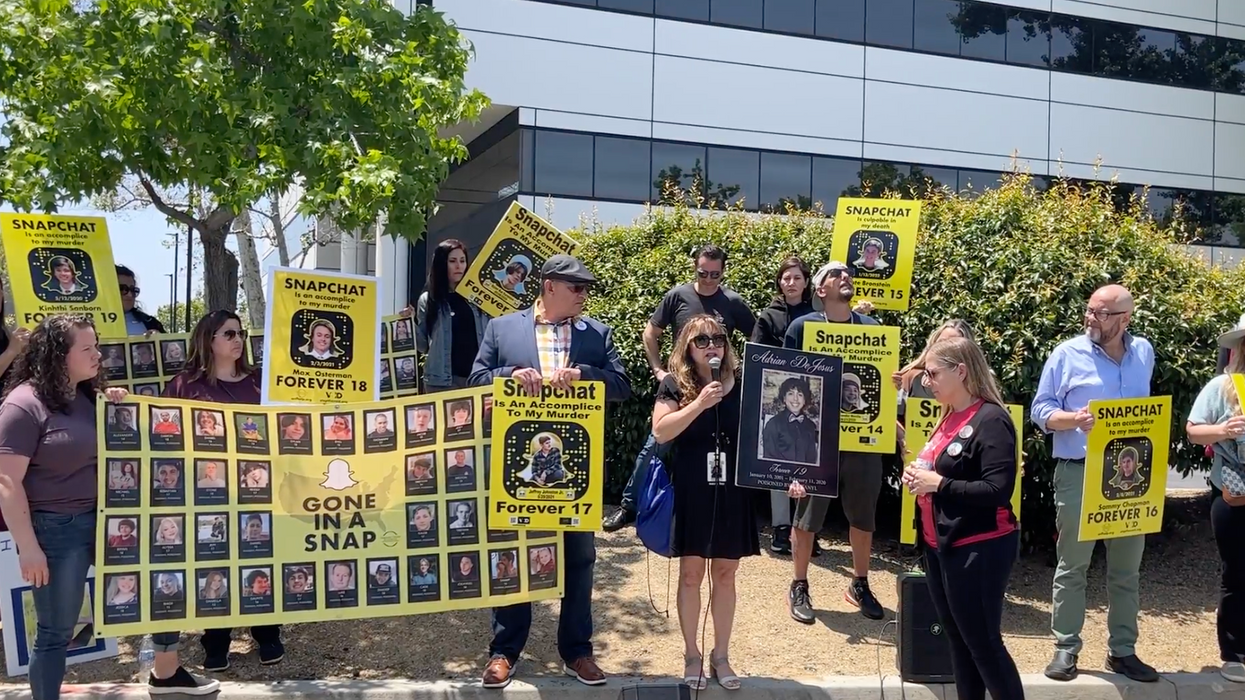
922	646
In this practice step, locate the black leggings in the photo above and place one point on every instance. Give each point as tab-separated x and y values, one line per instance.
1228	524
967	584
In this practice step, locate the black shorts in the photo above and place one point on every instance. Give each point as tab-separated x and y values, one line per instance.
860	484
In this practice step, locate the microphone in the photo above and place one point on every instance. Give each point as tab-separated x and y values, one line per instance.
715	367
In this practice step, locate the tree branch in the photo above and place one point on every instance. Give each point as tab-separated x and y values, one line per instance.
237	51
163	207
219	218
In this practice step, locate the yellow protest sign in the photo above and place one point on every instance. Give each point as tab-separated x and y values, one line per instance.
279	514
62	265
869	401
548	465
320	339
1126	468
505	275
399	361
877	239
920	418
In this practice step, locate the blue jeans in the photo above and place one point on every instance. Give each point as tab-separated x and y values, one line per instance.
513	623
641	462
68	543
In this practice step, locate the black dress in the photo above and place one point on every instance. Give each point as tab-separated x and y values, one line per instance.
732	528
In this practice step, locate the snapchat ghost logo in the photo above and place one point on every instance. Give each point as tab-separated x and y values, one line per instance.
339	477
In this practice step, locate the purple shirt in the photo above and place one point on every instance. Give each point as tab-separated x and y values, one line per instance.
245	390
62	449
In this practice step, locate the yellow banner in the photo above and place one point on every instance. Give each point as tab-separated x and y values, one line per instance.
505	276
869	411
280	514
1126	468
399	362
920	418
877	238
321	344
62	265
550	474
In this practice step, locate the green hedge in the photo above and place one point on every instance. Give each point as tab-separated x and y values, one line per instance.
1018	263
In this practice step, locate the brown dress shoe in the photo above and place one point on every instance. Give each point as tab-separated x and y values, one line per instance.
585	670
498	672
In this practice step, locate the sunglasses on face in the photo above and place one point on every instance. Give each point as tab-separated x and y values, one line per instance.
703	341
578	288
127	289
834	274
709	274
232	334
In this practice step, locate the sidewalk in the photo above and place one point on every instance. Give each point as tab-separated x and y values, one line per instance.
1089	686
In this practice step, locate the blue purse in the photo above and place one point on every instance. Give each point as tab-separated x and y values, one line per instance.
654	523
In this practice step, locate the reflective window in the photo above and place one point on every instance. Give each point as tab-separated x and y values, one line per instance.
676	165
832	177
622	168
733	175
1229	66
644	7
1028	39
889	23
683	9
948	177
1229	219
527	138
978	179
990	42
1191	69
843	20
563	163
736	13
785	178
933	27
1115	48
791	16
1072	45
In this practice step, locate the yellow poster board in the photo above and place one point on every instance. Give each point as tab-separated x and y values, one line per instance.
320	339
869	411
549	458
505	276
877	239
280	514
920	418
62	265
399	361
1126	468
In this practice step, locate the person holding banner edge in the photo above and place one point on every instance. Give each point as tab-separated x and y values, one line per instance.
217	371
1216	422
137	322
448	327
963	480
1106	362
553	342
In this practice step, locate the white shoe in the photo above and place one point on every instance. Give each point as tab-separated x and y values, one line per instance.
1233	671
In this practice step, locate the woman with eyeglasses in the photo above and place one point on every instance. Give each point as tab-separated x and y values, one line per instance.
713	518
963	480
448	328
217	371
137	322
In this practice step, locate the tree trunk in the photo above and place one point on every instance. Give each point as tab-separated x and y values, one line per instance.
252	281
220	269
278	232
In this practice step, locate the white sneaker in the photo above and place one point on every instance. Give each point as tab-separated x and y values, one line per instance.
1233	671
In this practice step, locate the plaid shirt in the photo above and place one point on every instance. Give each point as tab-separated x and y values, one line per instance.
553	341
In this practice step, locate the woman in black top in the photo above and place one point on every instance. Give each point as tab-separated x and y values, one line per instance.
713	517
448	328
963	480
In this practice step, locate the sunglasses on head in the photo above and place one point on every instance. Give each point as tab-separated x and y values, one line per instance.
127	289
231	334
703	341
711	274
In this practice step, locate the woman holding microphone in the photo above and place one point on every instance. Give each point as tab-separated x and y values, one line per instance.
963	480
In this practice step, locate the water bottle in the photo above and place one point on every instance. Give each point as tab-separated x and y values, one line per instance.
146	659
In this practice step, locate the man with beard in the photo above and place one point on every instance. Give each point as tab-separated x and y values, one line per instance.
1106	362
860	474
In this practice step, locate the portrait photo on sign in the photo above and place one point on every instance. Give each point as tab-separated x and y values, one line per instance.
791	411
213	592
542	561
150	389
403	334
168	595
62	275
124	476
504	572
254	481
338	426
386	375
458	420
257	596
424	584
545	455
166	429
112	359
211	474
122	598
252	432
168	530
513	269
342	589
299	587
123	540
872	254
421	474
404	371
421	425
382	582
544	465
143	360
462	522
173	354
1127	468
257	349
421	528
295	433
380	434
860	393
460	469
321	339
464	575
168	482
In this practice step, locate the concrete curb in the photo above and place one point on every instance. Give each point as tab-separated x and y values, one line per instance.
1088	686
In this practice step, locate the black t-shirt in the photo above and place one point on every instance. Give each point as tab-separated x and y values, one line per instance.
682	303
465	345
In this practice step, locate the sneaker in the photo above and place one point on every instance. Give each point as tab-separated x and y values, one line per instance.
780	543
182	682
617	520
1132	667
800	602
270	654
1062	666
1233	671
216	662
858	594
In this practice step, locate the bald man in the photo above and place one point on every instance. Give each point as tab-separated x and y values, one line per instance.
1106	362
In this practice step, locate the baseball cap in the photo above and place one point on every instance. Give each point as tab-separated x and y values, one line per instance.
820	276
566	268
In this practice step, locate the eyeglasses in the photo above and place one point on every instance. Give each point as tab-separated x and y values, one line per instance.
577	288
703	341
127	289
1102	315
232	334
709	274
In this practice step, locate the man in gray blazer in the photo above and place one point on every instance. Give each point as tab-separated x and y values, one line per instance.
553	342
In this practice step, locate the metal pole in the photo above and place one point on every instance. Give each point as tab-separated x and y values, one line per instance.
172	307
177	238
190	266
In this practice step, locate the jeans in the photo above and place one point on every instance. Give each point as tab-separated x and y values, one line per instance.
641	463
967	585
455	383
68	543
1228	524
216	641
1123	572
513	623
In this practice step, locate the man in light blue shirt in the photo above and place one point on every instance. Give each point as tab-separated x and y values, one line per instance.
1104	363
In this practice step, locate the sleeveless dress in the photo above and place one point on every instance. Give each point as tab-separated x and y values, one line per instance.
701	530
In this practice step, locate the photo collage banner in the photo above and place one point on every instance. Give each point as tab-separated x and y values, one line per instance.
144	364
